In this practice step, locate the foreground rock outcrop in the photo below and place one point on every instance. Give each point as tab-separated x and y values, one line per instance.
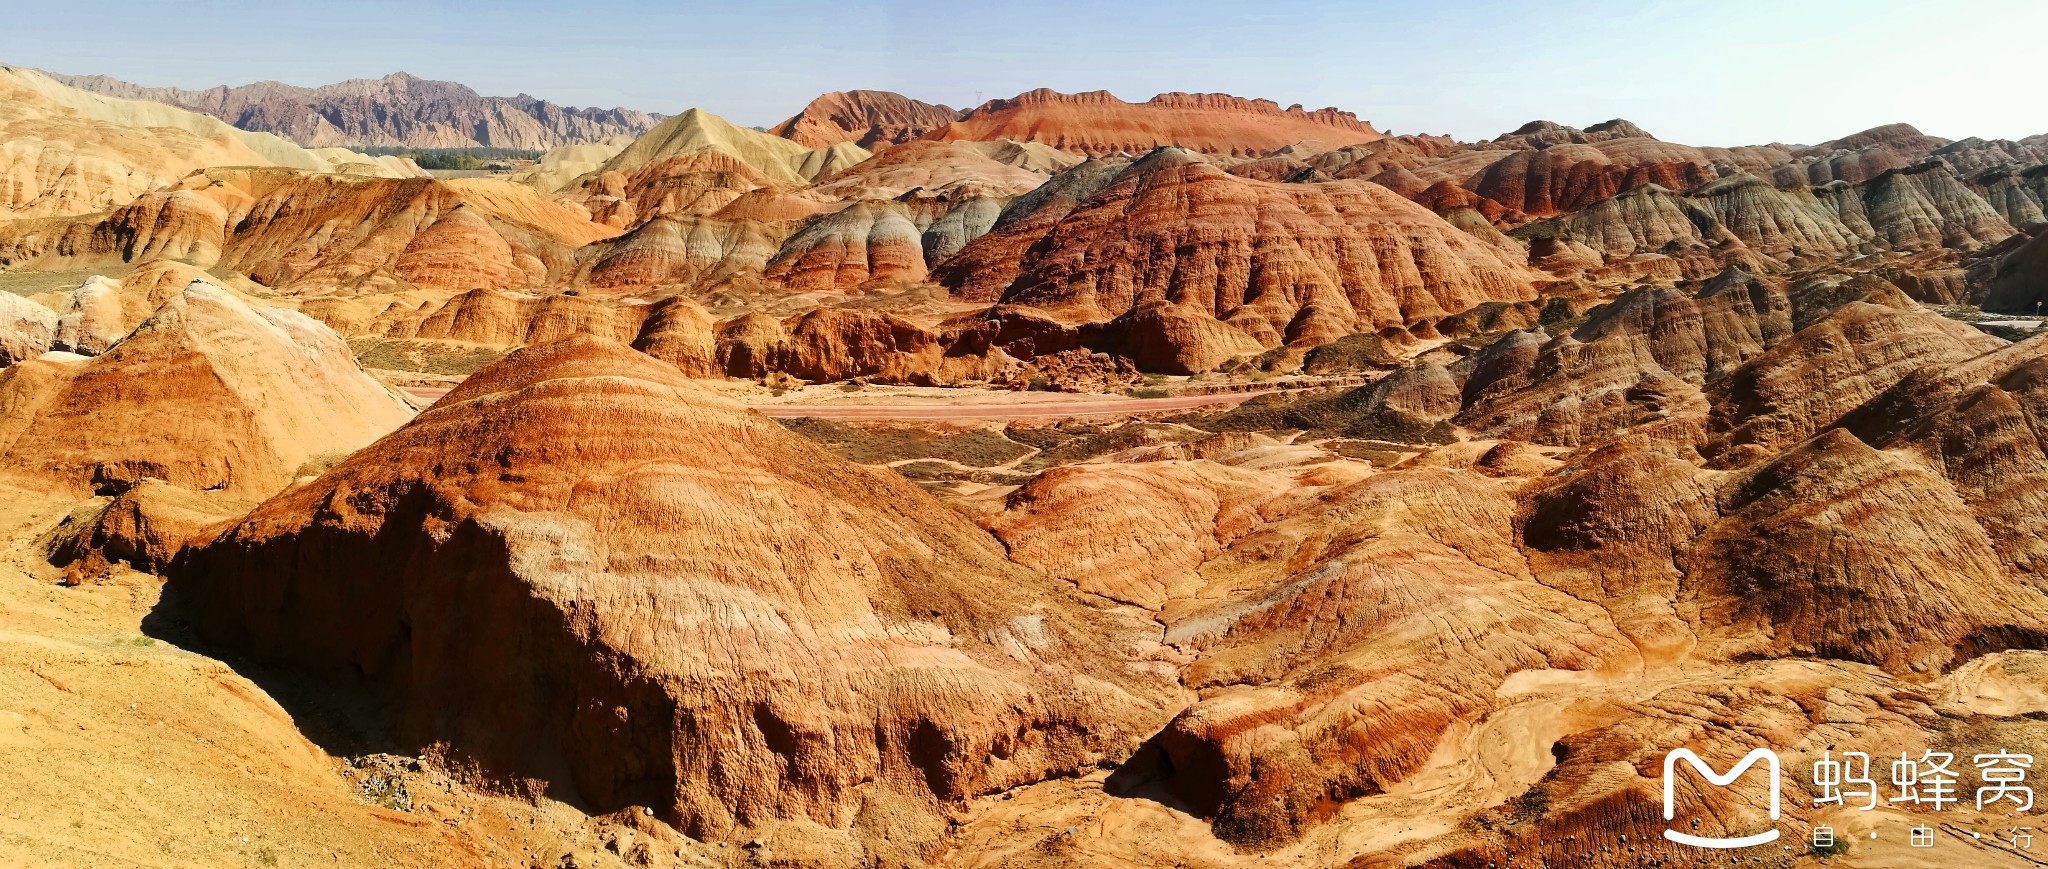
580	572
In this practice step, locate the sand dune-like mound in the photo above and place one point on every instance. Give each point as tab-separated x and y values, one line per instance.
698	164
209	393
774	158
1977	422
1171	338
680	332
146	527
822	345
836	344
1135	532
715	618
1904	141
1568	177
1375	158
433	234
871	119
699	182
350	162
1813	378
560	166
1035	156
1096	123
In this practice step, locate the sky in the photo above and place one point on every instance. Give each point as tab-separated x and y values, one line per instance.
1706	72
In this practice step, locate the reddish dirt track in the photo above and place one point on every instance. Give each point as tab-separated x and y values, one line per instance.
1102	406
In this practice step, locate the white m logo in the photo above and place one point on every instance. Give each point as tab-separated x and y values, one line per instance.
1769	758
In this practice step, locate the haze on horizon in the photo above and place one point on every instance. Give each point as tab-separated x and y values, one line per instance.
1737	72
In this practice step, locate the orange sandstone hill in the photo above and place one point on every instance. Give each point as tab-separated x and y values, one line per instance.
1097	123
870	119
1184	255
582	568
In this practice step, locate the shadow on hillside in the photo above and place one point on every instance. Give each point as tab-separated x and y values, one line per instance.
343	721
1150	775
348	718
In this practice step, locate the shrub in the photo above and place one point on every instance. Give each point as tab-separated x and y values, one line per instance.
1359	352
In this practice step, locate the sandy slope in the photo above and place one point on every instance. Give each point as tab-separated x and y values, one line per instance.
122	749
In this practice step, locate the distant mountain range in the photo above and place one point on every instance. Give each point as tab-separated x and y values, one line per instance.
398	110
404	111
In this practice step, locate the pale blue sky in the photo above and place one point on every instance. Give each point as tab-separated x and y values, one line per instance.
1708	72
